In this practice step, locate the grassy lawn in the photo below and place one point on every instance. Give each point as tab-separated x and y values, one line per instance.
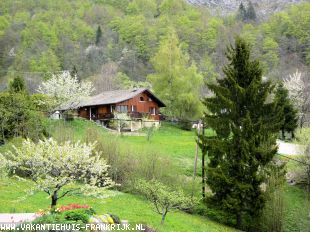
169	141
297	209
296	202
14	198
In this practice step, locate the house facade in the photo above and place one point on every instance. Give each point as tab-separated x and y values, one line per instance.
137	103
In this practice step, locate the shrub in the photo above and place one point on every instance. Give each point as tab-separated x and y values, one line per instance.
164	198
128	164
77	215
49	219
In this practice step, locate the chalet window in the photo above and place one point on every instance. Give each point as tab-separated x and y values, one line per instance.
122	109
152	110
133	108
142	99
112	108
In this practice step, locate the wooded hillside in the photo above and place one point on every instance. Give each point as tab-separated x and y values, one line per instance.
112	42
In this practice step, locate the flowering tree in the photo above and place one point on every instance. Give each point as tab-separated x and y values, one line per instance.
299	92
164	198
2	166
60	170
66	89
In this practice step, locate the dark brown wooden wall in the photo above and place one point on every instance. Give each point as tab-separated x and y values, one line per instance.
142	106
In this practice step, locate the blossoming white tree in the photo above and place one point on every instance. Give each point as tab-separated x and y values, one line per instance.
299	92
66	89
60	170
2	166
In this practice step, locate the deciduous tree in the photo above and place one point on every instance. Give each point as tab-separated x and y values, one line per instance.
164	199
60	169
66	89
176	81
299	92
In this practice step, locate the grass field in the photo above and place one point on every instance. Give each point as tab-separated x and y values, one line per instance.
168	141
15	198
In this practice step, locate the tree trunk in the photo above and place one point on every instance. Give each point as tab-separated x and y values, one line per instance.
163	217
283	134
239	221
54	199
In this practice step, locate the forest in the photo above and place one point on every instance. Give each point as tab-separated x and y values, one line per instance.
113	43
228	150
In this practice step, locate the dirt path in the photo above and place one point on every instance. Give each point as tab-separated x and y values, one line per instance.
289	148
17	217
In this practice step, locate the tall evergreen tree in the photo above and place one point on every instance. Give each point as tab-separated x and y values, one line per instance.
98	35
17	85
242	12
74	72
246	124
289	113
250	13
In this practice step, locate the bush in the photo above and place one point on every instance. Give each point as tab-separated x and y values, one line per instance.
50	219
186	125
77	215
20	116
128	164
220	216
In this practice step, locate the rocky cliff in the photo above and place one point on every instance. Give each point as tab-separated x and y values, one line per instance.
263	7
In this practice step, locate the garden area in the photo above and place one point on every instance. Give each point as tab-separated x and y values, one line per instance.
19	197
153	158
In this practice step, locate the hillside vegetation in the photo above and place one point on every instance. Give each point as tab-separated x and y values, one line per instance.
38	38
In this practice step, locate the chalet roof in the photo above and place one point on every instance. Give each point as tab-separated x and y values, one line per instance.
113	97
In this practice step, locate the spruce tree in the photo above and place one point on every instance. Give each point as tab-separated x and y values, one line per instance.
250	13
242	12
246	123
98	35
17	85
74	71
289	113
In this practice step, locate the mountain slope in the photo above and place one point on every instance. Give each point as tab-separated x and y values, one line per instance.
263	7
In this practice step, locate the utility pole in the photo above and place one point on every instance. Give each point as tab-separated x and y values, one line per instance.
203	171
197	149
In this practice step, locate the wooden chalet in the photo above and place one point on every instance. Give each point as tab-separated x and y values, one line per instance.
137	103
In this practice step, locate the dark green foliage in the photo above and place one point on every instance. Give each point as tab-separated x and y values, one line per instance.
289	113
246	14
74	72
214	214
49	219
76	215
98	35
186	125
17	85
242	14
251	14
246	125
20	116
